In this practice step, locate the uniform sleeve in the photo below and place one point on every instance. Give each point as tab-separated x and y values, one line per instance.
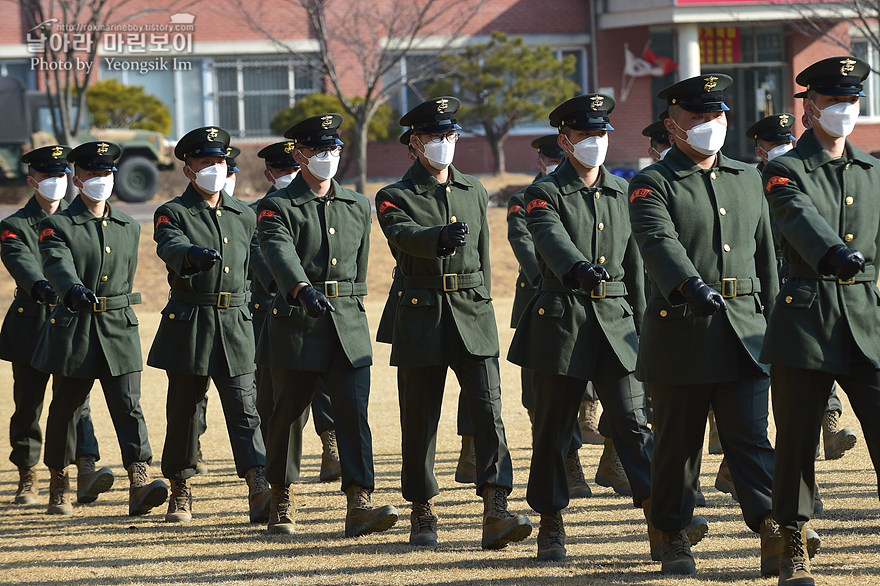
278	247
402	232
665	259
520	239
18	258
364	250
796	218
483	246
634	278
172	243
551	238
58	263
766	260
258	269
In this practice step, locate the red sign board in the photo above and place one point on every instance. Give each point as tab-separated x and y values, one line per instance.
719	45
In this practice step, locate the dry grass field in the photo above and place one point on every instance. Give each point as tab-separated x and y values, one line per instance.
607	542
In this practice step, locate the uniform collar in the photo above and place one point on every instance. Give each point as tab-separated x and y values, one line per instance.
423	181
568	180
80	214
300	193
682	165
195	203
34	212
814	156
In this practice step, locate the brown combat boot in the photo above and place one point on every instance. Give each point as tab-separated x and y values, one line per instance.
423	524
724	480
500	526
836	439
90	482
574	472
589	422
675	554
714	438
259	494
466	470
331	469
610	472
59	493
27	491
144	495
694	532
771	547
362	518
794	565
551	537
180	502
281	508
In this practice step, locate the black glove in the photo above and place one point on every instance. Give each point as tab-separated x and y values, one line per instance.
588	275
44	292
453	235
842	262
80	297
202	259
701	298
313	301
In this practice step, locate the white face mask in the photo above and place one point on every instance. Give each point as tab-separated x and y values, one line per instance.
664	153
229	186
53	188
778	150
212	179
323	165
838	119
285	180
706	138
549	169
591	151
98	188
440	153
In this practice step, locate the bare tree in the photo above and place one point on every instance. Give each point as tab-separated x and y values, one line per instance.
372	37
818	19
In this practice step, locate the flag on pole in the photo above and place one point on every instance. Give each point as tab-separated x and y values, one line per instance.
637	67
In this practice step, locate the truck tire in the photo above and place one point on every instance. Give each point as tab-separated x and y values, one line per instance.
136	180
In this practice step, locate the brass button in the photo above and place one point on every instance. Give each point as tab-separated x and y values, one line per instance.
849	200
252	316
171	316
722	211
784	280
846	166
601	259
400	293
327	202
225	240
219	213
789	299
256	306
448	189
849	237
453	253
21	310
225	269
713	175
414	301
663	313
333	261
453	219
52	320
332	230
541	311
107	249
521	285
601	226
104	278
275	311
726	247
103	222
597	195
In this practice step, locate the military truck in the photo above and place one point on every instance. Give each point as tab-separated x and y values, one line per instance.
28	125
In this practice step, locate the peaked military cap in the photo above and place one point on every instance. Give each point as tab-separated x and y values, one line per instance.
776	128
95	156
404	138
316	132
279	155
207	141
835	76
548	146
50	160
700	94
434	116
657	132
231	153
586	112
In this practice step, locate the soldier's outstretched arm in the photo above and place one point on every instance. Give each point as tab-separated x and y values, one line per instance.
258	269
520	238
402	232
364	250
25	268
58	263
172	243
765	260
279	248
552	240
634	277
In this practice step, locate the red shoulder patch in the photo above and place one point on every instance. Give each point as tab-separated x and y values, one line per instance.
265	214
513	210
383	207
774	181
639	193
535	204
162	220
7	234
46	233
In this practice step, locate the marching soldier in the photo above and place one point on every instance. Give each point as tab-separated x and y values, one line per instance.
89	256
281	168
703	229
315	238
826	208
659	138
205	334
34	301
435	222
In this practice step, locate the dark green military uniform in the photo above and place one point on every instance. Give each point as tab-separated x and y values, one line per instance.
569	336
711	224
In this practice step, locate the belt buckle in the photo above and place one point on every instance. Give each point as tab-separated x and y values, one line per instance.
850	281
100	305
223	300
602	294
331	289
724	288
450	278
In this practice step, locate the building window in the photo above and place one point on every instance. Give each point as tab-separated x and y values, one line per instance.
20	69
867	51
250	91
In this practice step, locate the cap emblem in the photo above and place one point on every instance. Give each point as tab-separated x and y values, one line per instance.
596	102
442	105
211	134
847	66
711	82
56	152
103	147
326	121
229	151
289	147
783	119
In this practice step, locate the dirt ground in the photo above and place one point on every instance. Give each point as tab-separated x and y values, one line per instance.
607	542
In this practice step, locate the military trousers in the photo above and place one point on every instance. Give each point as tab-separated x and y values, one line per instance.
25	435
527	376
183	415
557	399
741	412
349	390
69	398
420	393
799	401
